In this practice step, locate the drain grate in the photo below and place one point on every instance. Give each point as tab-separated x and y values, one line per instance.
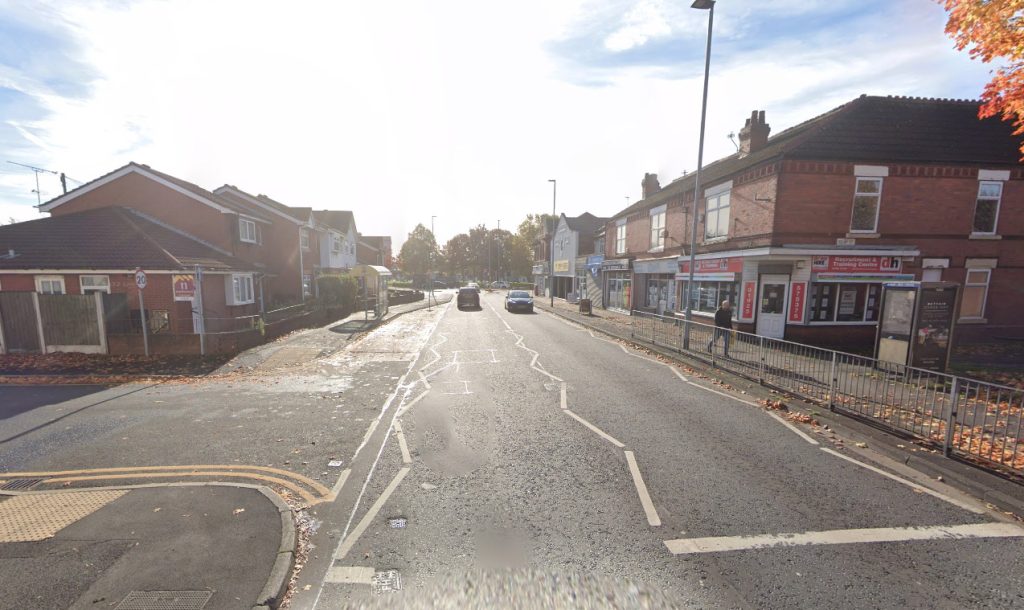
386	581
20	484
165	600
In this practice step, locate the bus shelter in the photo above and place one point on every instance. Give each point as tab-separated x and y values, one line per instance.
373	289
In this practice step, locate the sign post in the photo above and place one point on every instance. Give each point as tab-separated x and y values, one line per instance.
140	282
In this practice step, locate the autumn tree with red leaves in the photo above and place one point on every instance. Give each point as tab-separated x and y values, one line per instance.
993	30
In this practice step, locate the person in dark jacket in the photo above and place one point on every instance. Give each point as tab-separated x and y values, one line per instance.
723	326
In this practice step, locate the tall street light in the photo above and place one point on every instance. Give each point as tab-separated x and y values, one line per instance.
431	259
704	5
551	266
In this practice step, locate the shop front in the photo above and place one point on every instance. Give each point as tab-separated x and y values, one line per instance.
618	284
714	280
656	279
565	276
540	279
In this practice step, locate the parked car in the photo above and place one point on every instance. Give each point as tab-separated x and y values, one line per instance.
502	284
468	296
519	300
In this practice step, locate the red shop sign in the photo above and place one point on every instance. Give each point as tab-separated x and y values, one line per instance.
748	300
715	265
856	264
797	296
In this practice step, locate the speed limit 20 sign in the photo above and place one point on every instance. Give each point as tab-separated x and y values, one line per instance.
140	278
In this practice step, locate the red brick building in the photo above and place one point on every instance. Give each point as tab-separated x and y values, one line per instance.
800	230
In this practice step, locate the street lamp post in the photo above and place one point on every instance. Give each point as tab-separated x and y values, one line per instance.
432	276
551	265
708	5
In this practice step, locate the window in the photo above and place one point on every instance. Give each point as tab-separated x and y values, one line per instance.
658	228
972	305
661	289
307	285
831	302
94	283
241	289
620	238
709	295
335	243
986	211
247	230
304	239
716	216
865	205
50	284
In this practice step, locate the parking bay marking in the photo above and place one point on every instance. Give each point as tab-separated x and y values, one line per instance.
689	546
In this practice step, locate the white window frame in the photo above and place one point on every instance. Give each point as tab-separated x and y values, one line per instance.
243	289
995	217
984	294
878	202
658	227
620	237
336	243
105	288
717	209
50	278
304	239
247	231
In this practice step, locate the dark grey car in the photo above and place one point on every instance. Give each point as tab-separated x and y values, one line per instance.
468	297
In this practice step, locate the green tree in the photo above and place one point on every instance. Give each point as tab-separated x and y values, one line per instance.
535	226
419	252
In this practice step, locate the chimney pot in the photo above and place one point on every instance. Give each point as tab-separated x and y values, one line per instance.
650	185
754	135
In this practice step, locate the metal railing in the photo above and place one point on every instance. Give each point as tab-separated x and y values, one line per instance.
967	417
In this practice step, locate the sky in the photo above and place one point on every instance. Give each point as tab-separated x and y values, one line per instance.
463	110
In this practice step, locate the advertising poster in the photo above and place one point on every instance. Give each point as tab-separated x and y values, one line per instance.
797	298
936	307
748	300
184	287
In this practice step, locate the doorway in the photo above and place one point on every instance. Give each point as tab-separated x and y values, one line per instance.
771	313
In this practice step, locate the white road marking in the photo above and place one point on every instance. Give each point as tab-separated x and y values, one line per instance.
338	485
406	458
641	489
564	399
350	575
777	418
455	388
411	403
595	429
370	515
931	492
685	546
423	378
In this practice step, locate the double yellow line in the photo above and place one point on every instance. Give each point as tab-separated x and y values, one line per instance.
313	492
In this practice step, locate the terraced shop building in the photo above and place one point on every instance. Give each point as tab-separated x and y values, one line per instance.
799	230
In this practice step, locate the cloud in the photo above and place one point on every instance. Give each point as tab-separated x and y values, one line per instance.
400	110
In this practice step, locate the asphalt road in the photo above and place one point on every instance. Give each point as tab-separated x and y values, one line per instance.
517	472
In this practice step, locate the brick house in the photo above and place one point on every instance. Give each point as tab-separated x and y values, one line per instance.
799	230
338	240
382	245
99	249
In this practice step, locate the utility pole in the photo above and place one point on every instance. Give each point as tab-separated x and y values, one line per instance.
551	265
37	170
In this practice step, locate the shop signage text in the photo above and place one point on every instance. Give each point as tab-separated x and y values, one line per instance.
561	266
616	264
797	298
656	266
857	264
715	265
748	300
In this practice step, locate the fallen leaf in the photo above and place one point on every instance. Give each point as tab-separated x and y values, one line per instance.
156	510
237	510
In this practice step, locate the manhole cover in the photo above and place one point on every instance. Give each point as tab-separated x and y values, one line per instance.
20	484
386	581
397	523
165	600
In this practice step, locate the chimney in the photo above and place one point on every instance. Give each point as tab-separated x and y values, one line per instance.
650	185
754	134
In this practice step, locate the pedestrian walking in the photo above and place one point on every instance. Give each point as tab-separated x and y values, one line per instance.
723	326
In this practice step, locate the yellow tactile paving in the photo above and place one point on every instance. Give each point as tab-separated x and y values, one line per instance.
32	517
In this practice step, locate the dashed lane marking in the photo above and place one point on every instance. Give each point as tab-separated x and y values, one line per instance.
564	400
641	489
688	546
406	458
411	403
370	515
350	575
595	429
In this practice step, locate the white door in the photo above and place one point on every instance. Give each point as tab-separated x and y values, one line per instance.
771	312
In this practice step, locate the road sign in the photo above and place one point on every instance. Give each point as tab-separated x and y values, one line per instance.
140	279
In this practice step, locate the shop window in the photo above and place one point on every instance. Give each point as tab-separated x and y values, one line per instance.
866	201
986	210
831	302
716	216
660	289
972	305
709	295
